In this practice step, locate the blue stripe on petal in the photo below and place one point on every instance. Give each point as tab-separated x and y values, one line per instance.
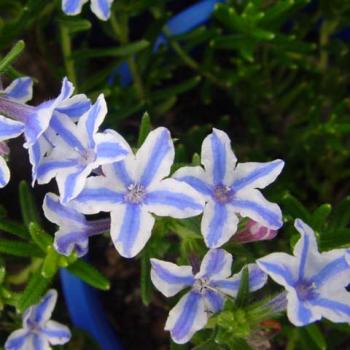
101	8
271	217
130	228
279	270
39	342
185	323
215	300
110	150
304	255
333	305
71	7
329	271
216	226
100	194
16	340
197	184
232	285
219	159
259	172
169	277
160	150
66	133
9	128
53	166
70	240
20	89
304	315
4	173
173	199
43	309
216	260
122	173
76	109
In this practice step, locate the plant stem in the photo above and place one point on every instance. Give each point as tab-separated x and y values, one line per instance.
66	46
120	29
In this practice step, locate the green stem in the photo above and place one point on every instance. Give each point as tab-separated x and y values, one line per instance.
327	29
66	45
120	29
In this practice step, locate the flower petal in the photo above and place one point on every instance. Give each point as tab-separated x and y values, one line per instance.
39	342
218	158
9	128
60	214
195	177
251	203
41	312
256	175
173	198
187	317
219	224
335	307
281	267
98	195
110	147
57	333
214	301
69	240
131	228
18	340
20	90
71	183
215	264
101	8
155	157
169	278
4	173
72	7
75	106
230	286
299	313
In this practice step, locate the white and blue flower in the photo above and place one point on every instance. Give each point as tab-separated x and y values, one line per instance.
315	282
101	8
209	288
230	190
79	149
74	230
20	91
39	332
134	189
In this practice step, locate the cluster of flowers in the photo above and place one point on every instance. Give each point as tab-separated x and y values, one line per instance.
98	172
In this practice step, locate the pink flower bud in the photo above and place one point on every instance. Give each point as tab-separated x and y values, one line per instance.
254	232
4	150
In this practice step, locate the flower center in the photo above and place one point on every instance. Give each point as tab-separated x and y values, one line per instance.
306	290
201	285
223	194
135	193
87	157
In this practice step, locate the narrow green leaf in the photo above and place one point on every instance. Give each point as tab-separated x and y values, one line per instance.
243	292
17	248
121	51
51	261
14	228
75	25
320	215
11	56
341	215
28	205
89	274
145	128
41	238
293	207
36	287
146	284
317	336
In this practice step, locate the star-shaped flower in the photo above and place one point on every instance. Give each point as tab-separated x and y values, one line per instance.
74	230
81	149
315	282
134	188
230	190
209	288
39	332
101	8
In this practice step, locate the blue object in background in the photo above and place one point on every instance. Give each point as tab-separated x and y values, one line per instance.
83	302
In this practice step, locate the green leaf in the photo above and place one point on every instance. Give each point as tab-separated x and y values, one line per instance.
243	291
11	56
121	51
89	274
51	263
320	215
341	215
35	288
40	237
17	248
145	128
293	207
14	228
75	25
28	205
146	284
317	336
